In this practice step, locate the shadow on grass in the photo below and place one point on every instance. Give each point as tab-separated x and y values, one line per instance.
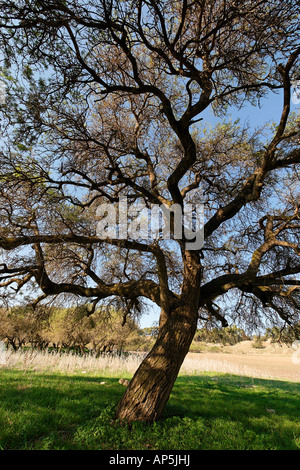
239	412
55	411
36	405
223	395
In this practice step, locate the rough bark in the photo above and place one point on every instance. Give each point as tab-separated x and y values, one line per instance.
150	388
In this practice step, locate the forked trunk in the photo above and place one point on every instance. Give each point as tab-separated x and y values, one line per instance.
149	390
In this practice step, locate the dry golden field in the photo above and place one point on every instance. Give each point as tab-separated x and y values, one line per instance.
271	362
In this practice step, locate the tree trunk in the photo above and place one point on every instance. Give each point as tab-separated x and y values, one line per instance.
149	390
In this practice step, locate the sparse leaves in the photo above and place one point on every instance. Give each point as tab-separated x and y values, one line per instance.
106	100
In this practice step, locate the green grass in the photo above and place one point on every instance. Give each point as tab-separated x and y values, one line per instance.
55	411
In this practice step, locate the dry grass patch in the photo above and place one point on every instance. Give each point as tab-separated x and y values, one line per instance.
273	365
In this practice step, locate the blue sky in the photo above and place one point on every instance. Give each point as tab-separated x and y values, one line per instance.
269	111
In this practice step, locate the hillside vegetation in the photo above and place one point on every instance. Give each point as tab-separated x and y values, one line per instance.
76	329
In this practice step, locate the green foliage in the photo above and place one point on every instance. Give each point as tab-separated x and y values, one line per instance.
287	334
258	342
23	325
151	331
230	335
66	329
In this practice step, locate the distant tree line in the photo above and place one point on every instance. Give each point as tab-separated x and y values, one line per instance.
73	329
66	329
230	335
287	334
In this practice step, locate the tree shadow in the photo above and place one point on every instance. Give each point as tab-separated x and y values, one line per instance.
39	410
213	395
36	405
258	406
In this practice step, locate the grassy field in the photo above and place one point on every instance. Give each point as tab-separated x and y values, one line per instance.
49	409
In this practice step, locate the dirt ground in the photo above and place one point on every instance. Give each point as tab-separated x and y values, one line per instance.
273	361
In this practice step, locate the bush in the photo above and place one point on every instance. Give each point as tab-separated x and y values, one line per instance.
230	335
67	329
257	342
286	334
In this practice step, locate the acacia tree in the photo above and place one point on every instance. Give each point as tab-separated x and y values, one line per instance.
105	99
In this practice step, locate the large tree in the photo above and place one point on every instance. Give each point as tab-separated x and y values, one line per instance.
105	99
